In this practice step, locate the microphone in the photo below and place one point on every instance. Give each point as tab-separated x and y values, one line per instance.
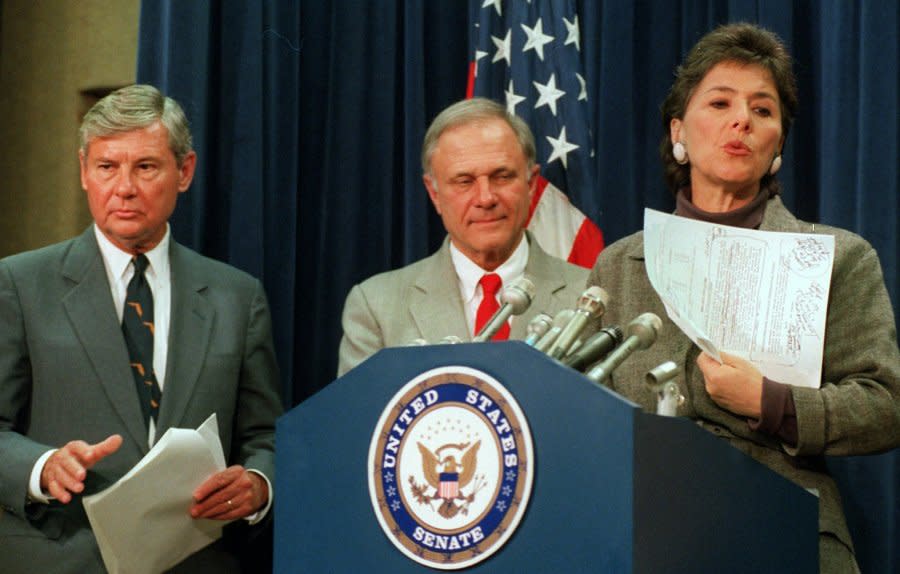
595	348
515	299
539	325
559	321
642	332
591	304
668	395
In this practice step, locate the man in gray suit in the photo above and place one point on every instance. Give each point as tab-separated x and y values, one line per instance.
73	418
480	172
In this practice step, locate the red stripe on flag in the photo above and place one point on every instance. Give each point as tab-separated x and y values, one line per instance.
536	198
470	85
587	245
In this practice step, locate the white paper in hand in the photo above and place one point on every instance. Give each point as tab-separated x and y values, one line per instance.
142	523
760	295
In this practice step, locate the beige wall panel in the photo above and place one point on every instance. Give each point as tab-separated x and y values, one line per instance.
52	52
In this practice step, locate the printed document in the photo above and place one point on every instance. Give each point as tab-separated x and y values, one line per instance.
760	295
142	522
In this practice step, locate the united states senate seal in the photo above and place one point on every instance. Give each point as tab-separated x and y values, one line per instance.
450	467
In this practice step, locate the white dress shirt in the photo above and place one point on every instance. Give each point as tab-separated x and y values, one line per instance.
470	274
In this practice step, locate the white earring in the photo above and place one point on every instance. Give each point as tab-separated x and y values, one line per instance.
680	153
776	165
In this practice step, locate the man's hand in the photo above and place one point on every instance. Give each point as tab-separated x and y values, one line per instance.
65	470
735	385
233	493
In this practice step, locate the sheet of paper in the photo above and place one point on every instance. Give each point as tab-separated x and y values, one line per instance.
141	523
760	295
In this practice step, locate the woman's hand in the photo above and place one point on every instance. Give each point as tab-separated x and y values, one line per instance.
735	385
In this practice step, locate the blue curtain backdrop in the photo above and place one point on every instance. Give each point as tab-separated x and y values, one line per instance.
308	117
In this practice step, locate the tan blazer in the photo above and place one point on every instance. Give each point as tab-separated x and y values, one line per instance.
422	301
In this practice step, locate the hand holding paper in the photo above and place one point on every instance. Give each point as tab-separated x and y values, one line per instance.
142	522
734	384
231	494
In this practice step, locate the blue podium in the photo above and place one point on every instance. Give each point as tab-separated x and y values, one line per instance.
615	489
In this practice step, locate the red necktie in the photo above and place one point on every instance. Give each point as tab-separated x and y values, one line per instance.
490	285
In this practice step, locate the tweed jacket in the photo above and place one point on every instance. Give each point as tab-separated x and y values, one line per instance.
65	375
857	408
422	300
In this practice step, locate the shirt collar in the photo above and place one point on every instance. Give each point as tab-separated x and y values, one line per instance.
117	260
470	273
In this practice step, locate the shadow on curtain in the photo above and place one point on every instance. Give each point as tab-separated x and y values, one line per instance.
308	119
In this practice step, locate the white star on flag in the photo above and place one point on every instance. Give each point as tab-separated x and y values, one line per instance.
536	39
561	148
502	48
513	99
495	3
549	94
572	29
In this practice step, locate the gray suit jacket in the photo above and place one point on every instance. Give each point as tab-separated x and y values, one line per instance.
64	375
422	301
857	408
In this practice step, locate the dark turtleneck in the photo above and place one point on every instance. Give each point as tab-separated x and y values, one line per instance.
748	216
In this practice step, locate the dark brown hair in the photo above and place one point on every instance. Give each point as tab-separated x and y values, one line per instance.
742	43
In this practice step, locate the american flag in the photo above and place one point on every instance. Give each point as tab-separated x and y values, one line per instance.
528	56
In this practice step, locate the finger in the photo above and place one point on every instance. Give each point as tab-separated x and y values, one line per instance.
57	491
227	509
58	482
104	448
77	449
705	363
217	505
67	481
217	482
64	464
63	469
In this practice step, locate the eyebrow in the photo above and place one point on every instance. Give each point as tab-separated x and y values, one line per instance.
729	89
495	172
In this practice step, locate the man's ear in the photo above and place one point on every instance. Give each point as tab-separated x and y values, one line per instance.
430	185
82	166
533	179
186	171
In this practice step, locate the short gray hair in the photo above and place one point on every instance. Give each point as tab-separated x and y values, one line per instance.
136	107
470	111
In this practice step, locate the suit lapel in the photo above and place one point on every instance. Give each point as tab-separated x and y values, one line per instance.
547	288
90	309
436	306
190	326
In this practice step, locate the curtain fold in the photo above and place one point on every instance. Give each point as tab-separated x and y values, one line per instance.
308	119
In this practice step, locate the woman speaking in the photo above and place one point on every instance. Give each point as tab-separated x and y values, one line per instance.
725	121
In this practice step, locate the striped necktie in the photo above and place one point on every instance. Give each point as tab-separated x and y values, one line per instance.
137	326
